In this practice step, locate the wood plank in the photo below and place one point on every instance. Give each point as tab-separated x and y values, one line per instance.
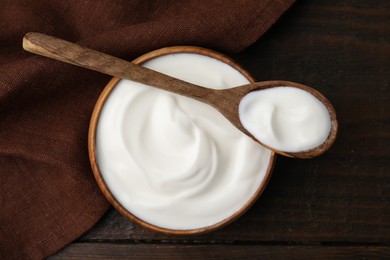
341	48
153	251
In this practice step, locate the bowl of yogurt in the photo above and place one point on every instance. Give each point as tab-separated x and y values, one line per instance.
170	163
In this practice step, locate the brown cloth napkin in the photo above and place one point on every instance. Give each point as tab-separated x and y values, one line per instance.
48	195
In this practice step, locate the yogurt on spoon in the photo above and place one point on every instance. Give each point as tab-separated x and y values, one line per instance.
285	118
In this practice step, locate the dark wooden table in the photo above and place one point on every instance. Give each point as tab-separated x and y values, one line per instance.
334	206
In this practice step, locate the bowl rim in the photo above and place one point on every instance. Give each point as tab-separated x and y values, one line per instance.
92	144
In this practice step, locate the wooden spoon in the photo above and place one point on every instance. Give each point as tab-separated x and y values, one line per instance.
225	101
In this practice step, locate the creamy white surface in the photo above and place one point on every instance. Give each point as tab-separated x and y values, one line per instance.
173	161
285	118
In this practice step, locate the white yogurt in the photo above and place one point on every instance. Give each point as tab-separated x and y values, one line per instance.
172	161
285	118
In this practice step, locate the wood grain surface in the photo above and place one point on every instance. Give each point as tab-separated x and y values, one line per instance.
161	251
333	206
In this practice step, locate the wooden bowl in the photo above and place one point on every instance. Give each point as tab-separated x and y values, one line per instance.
92	138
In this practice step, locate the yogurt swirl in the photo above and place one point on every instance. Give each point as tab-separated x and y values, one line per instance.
172	161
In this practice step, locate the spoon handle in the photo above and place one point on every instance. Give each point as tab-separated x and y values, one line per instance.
72	53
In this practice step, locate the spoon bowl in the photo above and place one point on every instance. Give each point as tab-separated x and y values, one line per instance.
225	101
229	107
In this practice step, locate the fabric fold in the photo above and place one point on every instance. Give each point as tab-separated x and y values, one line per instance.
48	195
